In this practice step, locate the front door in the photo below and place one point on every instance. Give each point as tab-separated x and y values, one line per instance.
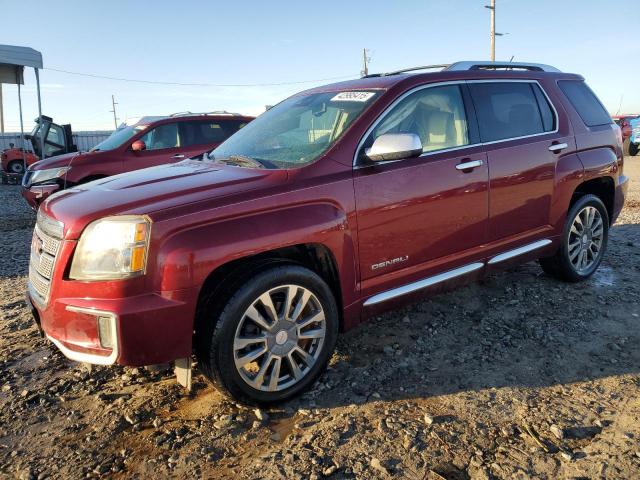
163	145
415	215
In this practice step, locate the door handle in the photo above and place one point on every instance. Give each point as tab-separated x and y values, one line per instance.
178	155
469	165
557	147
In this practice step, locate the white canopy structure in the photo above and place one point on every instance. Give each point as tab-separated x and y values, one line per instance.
13	59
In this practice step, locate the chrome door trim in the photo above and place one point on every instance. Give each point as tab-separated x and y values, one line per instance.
558	147
519	251
468	165
420	284
460	147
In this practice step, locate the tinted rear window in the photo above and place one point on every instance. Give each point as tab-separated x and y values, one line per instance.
510	110
585	102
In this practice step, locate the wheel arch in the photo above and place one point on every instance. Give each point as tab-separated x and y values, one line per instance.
316	257
601	187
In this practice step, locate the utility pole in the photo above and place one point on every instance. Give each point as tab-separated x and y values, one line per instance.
492	7
115	118
365	66
1	112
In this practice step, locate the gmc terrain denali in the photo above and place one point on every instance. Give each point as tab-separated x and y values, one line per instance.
335	204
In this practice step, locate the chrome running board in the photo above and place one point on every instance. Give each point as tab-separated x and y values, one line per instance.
420	284
519	251
442	277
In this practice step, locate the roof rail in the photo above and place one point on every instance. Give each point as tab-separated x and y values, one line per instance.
216	112
404	70
481	65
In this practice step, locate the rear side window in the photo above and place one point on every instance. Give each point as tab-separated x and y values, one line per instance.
585	102
208	132
511	110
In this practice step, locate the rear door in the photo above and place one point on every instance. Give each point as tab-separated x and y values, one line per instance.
200	136
519	128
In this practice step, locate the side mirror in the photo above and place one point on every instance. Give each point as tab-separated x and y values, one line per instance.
138	146
394	146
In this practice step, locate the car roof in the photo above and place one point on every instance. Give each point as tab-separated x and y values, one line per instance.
152	120
385	82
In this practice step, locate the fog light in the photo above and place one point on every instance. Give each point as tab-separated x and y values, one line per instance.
105	332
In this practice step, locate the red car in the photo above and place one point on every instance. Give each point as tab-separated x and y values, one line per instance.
334	205
149	142
623	122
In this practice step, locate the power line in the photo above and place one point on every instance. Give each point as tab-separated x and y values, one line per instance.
154	82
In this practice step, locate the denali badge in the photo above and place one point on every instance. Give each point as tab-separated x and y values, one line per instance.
388	263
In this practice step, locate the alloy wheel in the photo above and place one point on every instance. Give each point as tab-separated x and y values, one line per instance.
585	239
279	338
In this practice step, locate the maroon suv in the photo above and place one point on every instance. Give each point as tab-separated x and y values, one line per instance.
338	203
148	142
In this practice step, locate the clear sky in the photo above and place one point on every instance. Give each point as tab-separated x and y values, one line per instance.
251	42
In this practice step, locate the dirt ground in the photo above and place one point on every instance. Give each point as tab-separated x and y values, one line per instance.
519	376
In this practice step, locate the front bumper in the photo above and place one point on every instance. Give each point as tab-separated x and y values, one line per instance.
146	329
36	194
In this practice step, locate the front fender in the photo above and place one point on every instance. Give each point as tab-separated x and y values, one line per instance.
188	257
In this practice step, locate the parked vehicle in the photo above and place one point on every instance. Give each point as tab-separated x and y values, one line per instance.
58	140
624	122
634	137
147	142
334	205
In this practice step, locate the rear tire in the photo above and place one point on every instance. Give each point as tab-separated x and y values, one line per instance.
16	167
272	337
633	149
584	241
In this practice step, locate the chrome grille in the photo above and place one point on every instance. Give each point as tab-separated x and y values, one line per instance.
44	250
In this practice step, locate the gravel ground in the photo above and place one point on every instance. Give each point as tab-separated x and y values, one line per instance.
518	376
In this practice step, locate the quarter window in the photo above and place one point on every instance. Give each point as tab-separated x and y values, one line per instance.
435	114
511	110
585	102
163	136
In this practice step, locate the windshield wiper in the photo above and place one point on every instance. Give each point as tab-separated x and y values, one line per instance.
241	161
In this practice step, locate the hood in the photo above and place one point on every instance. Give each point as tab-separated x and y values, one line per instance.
58	161
154	189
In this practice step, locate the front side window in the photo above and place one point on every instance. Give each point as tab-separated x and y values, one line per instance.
295	132
510	110
163	136
435	114
117	138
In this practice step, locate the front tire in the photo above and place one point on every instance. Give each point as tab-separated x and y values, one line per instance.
584	241
16	167
273	336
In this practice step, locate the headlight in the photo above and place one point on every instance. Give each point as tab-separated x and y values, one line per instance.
42	176
112	248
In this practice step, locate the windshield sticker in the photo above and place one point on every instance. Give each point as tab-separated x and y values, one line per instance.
352	96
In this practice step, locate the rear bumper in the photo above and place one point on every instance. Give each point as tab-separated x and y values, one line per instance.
36	194
147	329
620	196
